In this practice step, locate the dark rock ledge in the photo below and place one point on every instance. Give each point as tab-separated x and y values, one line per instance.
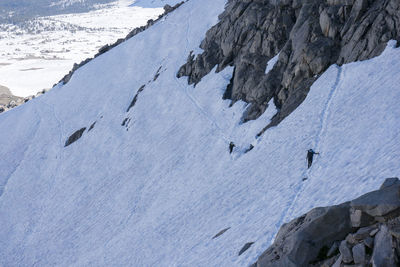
362	232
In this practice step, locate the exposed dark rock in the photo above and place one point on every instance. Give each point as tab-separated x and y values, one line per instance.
309	36
338	262
364	232
359	253
245	247
157	74
360	219
379	203
383	252
333	250
75	136
135	98
305	240
125	122
350	240
92	126
369	242
250	148
345	251
167	9
221	232
390	181
300	241
328	262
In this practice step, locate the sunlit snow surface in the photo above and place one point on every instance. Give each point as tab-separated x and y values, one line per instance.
155	3
38	55
156	192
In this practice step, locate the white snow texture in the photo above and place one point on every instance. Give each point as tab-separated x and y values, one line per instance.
155	191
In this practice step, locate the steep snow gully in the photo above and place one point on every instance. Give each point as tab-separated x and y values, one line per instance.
156	191
307	174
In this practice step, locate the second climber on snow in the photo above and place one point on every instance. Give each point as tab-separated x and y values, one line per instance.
310	155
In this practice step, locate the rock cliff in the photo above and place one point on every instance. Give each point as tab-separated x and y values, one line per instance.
362	232
308	35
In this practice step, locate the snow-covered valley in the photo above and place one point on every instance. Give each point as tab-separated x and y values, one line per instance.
37	53
151	180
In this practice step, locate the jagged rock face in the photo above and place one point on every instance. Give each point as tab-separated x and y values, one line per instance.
309	36
298	243
330	236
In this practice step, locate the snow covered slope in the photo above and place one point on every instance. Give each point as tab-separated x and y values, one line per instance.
37	53
12	10
152	186
155	3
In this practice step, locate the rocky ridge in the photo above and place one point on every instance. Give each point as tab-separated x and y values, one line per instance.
362	232
9	101
309	36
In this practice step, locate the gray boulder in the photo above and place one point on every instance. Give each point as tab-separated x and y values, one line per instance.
359	253
334	248
300	241
380	202
383	254
345	251
359	218
305	241
390	182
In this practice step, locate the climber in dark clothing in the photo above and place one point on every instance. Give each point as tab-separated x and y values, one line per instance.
231	147
310	155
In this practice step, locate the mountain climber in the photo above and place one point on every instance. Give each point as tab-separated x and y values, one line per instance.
231	147
310	155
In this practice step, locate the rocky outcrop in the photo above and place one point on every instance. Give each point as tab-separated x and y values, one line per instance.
309	36
167	9
9	101
75	136
333	236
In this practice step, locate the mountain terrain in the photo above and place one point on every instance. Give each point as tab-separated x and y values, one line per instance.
37	52
185	143
369	227
15	11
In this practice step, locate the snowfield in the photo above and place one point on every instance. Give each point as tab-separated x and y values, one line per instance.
155	190
38	53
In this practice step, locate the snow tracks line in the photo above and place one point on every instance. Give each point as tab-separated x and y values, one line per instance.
192	99
324	118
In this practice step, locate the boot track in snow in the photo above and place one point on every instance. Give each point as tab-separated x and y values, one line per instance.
306	175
